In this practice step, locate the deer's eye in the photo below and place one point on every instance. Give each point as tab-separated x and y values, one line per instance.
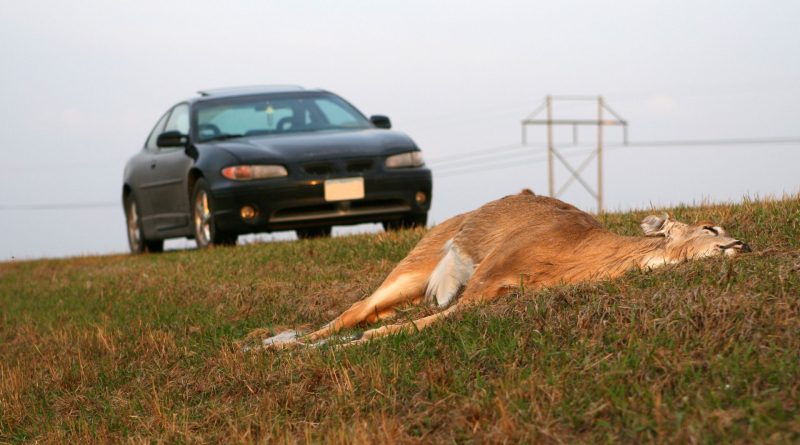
711	229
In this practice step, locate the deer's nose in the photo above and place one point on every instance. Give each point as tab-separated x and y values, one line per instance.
742	247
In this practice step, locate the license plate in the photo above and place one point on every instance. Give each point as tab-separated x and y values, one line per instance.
343	189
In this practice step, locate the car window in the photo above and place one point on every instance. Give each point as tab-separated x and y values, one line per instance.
157	129
245	118
338	115
179	119
257	115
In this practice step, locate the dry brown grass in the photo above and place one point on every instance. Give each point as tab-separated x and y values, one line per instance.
146	349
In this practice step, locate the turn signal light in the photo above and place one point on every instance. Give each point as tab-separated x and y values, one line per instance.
250	172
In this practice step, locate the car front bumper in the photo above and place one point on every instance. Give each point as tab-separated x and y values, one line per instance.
291	203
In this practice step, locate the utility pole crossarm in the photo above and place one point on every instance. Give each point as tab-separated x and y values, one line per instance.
573	122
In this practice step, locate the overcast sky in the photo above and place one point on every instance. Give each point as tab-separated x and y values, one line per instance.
82	84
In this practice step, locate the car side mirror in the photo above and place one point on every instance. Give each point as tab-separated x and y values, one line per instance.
172	139
191	151
380	121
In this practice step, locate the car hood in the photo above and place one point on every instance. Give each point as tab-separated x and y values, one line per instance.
299	147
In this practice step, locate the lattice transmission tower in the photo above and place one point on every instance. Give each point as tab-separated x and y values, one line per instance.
553	153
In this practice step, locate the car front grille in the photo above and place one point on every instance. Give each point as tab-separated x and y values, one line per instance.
330	168
318	168
359	165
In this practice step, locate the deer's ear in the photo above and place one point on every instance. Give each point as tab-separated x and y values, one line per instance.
656	225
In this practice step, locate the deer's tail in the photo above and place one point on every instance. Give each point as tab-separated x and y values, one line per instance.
449	276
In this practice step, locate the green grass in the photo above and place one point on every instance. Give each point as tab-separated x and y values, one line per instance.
147	348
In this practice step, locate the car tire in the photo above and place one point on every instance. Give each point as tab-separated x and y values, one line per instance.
206	233
136	240
406	222
313	232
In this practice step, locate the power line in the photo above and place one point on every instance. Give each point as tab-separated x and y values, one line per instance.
490	165
499	151
697	142
460	156
489	155
71	206
530	158
518	158
492	158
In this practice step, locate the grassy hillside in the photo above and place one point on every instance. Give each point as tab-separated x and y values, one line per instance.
146	348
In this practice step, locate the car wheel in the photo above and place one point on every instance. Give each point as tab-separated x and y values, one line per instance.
314	232
206	233
136	240
406	222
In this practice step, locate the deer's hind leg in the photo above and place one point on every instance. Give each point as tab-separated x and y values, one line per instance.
487	284
399	288
492	279
406	284
402	286
407	327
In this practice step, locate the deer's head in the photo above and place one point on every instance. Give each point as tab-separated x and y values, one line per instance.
689	241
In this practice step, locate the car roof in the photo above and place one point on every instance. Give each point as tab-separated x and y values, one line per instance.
221	93
247	90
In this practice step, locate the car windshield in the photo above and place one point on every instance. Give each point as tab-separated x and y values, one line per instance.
275	114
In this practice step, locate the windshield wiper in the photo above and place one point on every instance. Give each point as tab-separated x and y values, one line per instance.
221	137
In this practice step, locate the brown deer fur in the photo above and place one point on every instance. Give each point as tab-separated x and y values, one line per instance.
523	239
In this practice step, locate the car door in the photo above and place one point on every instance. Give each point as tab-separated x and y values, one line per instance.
144	177
169	194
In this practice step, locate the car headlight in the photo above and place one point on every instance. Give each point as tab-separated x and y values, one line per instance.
410	159
250	172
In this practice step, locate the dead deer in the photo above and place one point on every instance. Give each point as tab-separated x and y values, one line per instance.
523	239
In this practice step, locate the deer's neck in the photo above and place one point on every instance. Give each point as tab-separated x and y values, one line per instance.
613	255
